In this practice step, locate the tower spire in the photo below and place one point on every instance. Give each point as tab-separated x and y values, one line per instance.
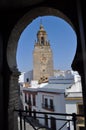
41	26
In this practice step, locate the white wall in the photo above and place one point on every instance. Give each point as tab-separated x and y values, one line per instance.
59	106
23	77
71	107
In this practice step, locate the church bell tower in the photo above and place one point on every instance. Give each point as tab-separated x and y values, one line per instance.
42	57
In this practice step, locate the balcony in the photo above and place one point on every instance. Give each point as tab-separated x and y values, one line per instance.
48	107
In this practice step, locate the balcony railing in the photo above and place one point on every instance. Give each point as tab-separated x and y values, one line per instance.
48	107
32	118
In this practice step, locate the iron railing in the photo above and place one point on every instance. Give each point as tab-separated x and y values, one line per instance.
48	107
32	118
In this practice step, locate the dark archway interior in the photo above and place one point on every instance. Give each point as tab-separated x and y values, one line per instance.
11	13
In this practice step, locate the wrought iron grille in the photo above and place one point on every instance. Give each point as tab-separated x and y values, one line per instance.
32	118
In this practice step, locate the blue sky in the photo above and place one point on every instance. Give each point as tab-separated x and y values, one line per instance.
62	40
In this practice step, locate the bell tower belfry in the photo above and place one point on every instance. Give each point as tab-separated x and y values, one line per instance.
42	57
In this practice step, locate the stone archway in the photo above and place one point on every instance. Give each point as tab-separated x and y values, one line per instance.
20	26
11	55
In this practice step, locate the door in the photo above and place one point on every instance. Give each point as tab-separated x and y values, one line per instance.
53	123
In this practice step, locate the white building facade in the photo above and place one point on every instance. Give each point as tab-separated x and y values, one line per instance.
62	94
26	77
45	99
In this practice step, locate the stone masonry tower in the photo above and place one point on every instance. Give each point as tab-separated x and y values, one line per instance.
42	57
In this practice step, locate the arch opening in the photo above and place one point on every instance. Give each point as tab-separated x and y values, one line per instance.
59	34
20	26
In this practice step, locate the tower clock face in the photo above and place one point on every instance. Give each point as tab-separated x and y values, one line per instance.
43	59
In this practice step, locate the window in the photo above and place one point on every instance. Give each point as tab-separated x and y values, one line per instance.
42	40
25	98
29	100
46	102
27	80
80	109
51	103
26	108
